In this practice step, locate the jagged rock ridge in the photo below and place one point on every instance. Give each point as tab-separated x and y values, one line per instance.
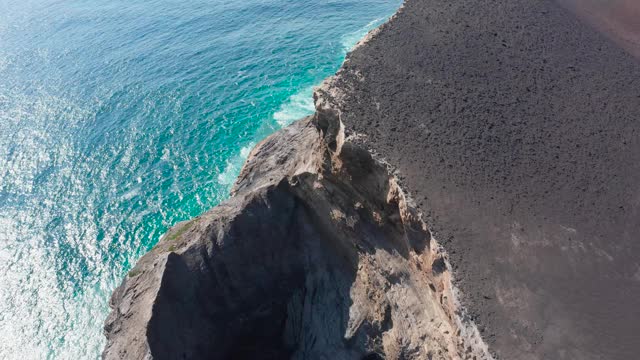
318	254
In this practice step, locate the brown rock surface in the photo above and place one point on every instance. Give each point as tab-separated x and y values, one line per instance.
317	255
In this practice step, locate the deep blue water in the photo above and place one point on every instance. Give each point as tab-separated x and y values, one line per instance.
120	118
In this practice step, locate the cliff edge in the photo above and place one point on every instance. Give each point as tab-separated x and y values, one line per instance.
318	254
513	125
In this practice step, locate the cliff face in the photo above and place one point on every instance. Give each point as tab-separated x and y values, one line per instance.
512	124
318	254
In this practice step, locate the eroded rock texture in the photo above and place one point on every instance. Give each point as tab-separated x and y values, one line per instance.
317	255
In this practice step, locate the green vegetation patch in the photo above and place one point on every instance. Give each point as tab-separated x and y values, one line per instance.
134	272
180	231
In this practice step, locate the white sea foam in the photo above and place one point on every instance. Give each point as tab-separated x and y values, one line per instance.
349	40
296	107
234	165
301	104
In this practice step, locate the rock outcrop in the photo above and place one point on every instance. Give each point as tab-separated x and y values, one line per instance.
318	254
514	126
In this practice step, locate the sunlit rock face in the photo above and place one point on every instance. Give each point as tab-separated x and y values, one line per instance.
318	254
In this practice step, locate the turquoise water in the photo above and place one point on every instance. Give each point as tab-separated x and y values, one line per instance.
120	118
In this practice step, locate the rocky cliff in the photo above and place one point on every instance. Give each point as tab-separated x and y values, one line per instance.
513	125
318	254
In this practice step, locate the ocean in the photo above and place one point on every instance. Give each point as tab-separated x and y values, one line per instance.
119	119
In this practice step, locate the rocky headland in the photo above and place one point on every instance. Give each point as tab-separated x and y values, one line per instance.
507	130
319	254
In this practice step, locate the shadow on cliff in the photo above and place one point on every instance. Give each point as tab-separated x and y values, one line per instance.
275	280
317	255
263	288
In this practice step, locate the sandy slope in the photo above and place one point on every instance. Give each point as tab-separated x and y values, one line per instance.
516	127
618	19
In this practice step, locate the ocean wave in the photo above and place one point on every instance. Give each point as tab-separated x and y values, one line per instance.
296	107
228	176
349	40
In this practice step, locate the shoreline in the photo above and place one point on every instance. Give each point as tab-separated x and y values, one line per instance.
350	222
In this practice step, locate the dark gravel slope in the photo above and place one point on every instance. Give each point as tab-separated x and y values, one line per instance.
517	129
